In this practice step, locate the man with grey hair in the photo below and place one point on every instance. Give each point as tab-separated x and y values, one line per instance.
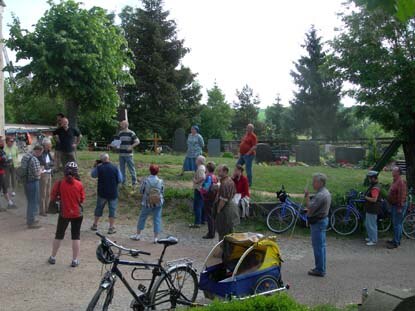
317	212
198	204
109	177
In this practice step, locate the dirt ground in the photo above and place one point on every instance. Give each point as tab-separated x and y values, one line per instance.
28	282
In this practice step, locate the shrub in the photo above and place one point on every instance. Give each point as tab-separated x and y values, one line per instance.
228	155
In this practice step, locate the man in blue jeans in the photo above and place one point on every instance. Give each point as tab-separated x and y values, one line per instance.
109	176
32	170
317	213
247	150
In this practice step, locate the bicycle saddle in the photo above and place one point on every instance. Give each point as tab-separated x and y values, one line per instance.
168	241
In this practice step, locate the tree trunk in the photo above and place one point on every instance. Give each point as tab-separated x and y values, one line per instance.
72	109
409	151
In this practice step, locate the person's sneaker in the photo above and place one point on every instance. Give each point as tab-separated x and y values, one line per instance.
75	263
135	237
13	194
94	227
111	230
208	237
52	260
370	243
314	272
34	226
156	240
194	226
367	240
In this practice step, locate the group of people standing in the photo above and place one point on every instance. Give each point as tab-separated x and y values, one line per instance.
219	201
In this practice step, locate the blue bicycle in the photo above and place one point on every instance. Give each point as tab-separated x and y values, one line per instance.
285	215
345	219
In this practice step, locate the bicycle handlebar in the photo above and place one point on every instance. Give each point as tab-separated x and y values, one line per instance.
131	251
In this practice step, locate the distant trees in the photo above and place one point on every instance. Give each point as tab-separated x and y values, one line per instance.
246	109
75	54
316	102
279	122
166	95
216	115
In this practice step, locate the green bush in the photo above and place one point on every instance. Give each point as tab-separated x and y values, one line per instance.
228	155
280	302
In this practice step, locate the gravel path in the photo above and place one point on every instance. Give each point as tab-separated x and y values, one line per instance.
27	282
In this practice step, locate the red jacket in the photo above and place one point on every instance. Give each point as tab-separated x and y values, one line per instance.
242	186
72	195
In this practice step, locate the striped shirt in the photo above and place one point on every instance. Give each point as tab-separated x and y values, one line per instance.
127	138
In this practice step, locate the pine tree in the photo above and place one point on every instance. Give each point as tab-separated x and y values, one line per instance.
279	123
166	95
246	109
317	102
216	115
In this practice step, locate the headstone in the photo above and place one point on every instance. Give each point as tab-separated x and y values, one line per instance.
179	142
214	148
351	155
308	152
328	148
264	153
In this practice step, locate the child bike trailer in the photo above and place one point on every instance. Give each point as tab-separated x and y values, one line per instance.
242	265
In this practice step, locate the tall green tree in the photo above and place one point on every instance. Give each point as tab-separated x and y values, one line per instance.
402	9
76	54
216	115
166	95
279	122
246	110
317	100
375	52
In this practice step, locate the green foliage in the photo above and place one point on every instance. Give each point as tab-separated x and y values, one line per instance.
228	155
279	302
279	122
216	116
24	105
75	54
401	9
375	53
166	95
317	101
246	110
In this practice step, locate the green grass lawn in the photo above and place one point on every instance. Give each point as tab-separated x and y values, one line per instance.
266	178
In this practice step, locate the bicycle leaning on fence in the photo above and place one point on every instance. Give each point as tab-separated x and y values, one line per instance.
285	215
408	224
168	287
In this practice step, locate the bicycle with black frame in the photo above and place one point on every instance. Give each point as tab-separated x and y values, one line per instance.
172	284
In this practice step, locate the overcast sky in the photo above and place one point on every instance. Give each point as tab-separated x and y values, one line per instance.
234	42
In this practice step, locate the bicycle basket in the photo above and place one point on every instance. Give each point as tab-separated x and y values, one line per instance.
352	194
282	196
104	254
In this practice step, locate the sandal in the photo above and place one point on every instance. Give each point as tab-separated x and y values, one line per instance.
94	227
111	230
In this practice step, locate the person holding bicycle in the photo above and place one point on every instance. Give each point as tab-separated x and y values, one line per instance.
397	200
71	194
372	207
317	212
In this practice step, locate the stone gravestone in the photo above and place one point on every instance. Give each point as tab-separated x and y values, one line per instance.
214	148
264	153
351	155
308	152
180	141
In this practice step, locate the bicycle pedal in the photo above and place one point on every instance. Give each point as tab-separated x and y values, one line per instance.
142	288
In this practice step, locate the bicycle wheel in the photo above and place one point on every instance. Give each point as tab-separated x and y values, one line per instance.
183	286
344	221
266	284
280	219
102	299
384	224
408	226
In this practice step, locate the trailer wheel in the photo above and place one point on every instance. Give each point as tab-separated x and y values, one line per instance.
266	284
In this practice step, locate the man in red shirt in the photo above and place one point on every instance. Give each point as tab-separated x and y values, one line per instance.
247	149
397	200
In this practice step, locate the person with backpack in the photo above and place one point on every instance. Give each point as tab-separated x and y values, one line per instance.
372	207
71	194
29	173
152	189
109	177
208	192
